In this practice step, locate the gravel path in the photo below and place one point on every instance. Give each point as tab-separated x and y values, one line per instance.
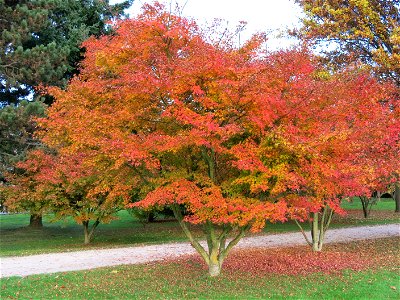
90	259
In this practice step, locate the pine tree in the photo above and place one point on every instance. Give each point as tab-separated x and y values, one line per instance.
40	41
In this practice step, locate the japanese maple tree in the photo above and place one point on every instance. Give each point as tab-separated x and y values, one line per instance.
226	137
319	138
67	186
363	33
170	108
24	191
89	192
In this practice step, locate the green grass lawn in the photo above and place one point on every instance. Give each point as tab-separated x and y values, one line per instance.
383	204
187	279
17	239
141	282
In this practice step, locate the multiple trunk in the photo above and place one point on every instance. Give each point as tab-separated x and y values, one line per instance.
367	203
89	230
217	245
218	248
36	222
319	225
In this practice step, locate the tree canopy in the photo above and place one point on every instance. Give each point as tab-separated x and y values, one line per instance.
363	30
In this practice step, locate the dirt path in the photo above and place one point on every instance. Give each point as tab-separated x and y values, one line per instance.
90	259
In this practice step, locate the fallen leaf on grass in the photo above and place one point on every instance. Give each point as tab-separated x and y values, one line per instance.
335	258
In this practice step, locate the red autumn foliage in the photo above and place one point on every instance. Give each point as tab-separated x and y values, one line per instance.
230	137
68	185
271	128
356	256
26	187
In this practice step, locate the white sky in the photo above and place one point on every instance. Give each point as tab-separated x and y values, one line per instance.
272	16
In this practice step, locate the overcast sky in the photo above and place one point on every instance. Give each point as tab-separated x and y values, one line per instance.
261	15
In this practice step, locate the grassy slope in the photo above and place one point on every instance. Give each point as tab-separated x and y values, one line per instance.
16	239
188	280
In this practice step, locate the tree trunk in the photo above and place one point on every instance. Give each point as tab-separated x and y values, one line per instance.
86	232
314	233
217	248
214	268
87	239
36	221
89	231
319	226
397	197
151	217
365	203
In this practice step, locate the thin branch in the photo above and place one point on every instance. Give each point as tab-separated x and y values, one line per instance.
303	233
322	228
222	238
196	245
233	243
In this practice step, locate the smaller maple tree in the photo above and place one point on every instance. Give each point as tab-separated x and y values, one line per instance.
319	138
170	109
67	186
89	193
23	191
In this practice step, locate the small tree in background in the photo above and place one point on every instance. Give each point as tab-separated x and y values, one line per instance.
68	186
89	193
323	137
24	191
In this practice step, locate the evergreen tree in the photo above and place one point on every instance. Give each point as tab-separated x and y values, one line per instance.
17	126
40	41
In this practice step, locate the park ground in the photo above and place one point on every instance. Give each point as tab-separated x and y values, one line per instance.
64	236
359	270
366	269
